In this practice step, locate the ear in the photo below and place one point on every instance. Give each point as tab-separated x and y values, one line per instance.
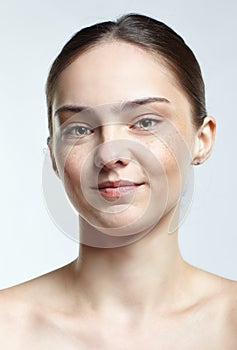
204	141
50	146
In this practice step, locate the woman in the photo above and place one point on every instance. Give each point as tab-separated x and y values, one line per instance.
127	121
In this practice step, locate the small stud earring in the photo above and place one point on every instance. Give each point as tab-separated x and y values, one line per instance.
197	162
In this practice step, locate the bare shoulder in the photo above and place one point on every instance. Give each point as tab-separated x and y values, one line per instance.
26	299
18	302
228	302
224	294
220	302
16	317
26	310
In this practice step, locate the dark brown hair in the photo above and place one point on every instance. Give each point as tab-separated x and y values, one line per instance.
147	33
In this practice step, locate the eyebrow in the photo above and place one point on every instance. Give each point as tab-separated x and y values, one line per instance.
123	106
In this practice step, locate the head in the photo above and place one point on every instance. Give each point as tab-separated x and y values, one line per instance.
134	59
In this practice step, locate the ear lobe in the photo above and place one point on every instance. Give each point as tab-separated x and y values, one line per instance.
54	165
205	141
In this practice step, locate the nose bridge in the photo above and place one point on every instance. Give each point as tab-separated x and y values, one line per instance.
111	131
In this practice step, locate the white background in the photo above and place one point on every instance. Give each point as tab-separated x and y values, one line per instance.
32	33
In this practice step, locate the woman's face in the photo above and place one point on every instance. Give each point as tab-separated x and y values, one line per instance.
123	159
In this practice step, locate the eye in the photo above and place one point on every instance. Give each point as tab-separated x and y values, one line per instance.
77	131
145	124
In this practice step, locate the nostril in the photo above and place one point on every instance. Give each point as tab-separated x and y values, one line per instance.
115	163
119	162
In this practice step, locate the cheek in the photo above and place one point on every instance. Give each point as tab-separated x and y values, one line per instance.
173	155
72	169
70	162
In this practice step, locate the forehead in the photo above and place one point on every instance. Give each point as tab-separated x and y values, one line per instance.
114	72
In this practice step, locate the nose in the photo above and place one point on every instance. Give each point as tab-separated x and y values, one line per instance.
114	150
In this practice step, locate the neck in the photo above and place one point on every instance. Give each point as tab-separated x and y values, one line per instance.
149	273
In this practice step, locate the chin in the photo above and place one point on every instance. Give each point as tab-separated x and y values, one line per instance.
123	222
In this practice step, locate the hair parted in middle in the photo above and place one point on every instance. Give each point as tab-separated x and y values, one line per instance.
147	33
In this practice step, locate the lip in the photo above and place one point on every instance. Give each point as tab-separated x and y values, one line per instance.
116	189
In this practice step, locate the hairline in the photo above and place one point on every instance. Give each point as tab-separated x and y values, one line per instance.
159	57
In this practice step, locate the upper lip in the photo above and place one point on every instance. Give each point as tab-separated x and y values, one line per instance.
117	183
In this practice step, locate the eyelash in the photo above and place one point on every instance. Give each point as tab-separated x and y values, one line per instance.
153	121
85	131
72	131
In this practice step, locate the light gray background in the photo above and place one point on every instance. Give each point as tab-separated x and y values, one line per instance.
32	33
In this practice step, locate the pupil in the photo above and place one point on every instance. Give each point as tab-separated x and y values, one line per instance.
81	130
146	123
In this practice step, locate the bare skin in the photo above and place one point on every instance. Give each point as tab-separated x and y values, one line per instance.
138	296
55	311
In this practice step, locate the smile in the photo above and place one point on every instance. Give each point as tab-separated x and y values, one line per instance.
116	189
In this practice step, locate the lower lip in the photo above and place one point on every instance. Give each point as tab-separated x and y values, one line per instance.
117	192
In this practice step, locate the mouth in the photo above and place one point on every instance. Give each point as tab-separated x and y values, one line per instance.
116	189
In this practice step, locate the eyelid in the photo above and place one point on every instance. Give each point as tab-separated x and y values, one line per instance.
70	128
70	123
151	117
